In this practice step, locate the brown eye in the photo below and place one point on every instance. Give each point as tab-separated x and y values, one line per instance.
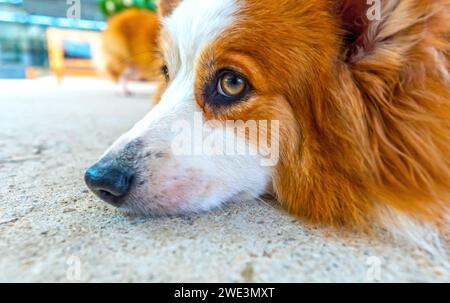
226	88
231	85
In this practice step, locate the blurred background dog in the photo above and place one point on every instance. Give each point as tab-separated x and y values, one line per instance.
129	45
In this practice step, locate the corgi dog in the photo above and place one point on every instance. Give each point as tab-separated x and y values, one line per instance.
359	96
129	45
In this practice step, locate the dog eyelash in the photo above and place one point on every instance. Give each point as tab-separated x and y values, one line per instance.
165	72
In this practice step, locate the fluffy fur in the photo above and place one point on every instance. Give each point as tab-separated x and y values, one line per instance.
363	105
367	105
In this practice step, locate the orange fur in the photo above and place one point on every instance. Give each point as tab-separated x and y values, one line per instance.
130	43
362	125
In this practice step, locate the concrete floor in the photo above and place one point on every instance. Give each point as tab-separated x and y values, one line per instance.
53	229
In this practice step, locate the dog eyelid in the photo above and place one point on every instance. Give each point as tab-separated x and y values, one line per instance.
165	72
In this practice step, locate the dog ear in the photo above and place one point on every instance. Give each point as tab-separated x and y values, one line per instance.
166	7
355	15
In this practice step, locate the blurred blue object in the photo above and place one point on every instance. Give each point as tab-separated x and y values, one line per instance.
23	18
77	50
23	28
12	72
12	1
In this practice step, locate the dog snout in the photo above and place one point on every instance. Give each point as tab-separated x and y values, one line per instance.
109	181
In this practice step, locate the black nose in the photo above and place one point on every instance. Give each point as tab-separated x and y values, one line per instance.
109	182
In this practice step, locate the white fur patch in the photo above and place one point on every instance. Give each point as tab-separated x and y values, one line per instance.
405	228
193	25
441	63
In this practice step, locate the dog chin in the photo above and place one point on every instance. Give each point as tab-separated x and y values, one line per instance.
179	203
147	208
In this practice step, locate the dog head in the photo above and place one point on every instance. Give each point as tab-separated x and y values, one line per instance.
258	96
224	94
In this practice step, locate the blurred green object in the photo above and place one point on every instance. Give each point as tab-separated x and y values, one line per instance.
112	7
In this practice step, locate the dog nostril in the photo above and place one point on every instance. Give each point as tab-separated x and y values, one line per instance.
109	182
105	193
